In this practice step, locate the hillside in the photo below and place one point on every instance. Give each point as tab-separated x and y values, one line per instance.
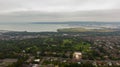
86	30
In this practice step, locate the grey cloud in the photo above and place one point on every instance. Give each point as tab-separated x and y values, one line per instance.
59	10
108	15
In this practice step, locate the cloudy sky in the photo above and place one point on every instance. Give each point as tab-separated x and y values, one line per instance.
59	10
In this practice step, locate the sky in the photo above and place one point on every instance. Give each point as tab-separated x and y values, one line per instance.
59	10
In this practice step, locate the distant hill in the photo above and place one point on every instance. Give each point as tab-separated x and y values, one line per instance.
86	30
76	22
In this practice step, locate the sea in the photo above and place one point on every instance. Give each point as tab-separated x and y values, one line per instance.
53	26
29	27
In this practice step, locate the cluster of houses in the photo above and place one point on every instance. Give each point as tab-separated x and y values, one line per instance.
106	46
77	58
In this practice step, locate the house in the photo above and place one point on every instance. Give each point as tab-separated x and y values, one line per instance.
37	60
77	55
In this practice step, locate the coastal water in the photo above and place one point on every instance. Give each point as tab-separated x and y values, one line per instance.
32	27
52	27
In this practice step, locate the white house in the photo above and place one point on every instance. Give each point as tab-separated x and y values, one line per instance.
77	55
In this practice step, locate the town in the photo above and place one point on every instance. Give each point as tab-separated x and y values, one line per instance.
60	49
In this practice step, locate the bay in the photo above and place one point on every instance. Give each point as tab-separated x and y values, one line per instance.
52	27
32	27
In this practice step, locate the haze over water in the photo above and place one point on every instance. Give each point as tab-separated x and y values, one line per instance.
32	27
52	27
